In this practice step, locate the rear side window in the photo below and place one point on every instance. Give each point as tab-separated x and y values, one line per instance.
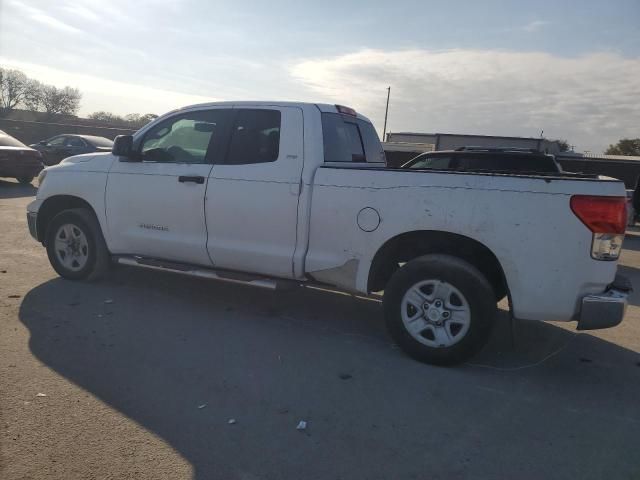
509	163
256	137
74	142
348	139
435	162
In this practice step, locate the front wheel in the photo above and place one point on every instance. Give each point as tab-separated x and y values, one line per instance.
75	245
439	309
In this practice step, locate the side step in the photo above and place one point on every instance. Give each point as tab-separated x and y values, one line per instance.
196	271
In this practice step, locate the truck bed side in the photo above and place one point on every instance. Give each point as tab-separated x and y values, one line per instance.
526	222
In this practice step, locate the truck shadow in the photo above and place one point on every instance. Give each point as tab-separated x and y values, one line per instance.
181	356
13	189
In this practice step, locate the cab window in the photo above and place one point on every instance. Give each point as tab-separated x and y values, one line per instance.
184	138
255	137
350	139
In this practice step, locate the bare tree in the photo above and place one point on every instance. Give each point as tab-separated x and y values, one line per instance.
33	96
14	85
107	117
63	101
132	119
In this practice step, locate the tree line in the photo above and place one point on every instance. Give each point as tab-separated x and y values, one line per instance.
19	91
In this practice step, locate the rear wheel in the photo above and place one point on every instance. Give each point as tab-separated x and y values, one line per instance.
439	309
25	180
75	245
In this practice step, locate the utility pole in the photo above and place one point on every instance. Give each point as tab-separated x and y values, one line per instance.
386	112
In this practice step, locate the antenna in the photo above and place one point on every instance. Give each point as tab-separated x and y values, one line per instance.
386	113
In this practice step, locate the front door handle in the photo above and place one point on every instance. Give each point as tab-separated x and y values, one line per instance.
195	179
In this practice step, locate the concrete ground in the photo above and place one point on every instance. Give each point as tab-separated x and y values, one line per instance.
136	377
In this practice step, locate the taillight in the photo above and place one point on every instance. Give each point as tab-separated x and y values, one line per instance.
606	218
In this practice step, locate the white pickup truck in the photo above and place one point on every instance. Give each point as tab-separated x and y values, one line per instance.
264	192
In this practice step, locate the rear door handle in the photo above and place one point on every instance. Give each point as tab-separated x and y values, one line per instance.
195	179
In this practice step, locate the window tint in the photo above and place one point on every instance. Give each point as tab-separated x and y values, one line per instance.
513	163
256	137
74	142
342	139
56	141
183	138
435	162
372	145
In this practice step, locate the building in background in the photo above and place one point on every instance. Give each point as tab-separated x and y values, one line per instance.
401	147
451	141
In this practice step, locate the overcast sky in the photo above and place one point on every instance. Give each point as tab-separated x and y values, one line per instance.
570	68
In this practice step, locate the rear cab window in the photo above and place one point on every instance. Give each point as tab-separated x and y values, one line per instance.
349	139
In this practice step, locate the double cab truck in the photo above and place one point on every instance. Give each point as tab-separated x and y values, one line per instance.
266	192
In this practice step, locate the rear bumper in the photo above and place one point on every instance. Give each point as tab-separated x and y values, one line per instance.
607	309
20	169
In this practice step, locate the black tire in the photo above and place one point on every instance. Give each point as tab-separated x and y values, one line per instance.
98	258
464	277
25	180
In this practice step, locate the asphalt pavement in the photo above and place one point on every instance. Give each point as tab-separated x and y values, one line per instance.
139	375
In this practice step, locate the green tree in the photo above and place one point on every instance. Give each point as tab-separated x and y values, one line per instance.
626	146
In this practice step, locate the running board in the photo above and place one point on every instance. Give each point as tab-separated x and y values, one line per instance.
195	271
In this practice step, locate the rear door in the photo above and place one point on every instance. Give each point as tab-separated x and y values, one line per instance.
252	198
155	207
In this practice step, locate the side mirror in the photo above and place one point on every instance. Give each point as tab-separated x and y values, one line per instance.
42	142
123	147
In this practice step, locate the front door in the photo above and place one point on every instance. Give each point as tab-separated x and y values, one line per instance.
155	207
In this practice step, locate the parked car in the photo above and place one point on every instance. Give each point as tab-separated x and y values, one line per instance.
60	147
265	192
482	159
17	160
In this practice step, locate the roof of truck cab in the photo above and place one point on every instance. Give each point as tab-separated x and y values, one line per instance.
323	107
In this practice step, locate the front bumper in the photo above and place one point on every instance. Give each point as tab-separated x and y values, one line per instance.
607	309
32	221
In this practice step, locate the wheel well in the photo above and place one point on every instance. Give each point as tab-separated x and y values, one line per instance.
407	246
54	205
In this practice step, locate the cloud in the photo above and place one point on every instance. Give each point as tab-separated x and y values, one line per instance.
535	26
117	97
40	16
591	100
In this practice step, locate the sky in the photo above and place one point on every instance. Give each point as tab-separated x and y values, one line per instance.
568	68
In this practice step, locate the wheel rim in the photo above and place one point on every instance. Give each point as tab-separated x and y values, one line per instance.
71	247
436	313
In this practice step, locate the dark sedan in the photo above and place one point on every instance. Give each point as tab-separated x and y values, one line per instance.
57	148
17	160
